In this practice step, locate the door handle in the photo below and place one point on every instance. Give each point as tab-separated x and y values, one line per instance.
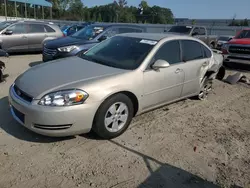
177	71
204	64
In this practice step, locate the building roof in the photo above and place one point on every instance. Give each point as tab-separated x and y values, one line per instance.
35	2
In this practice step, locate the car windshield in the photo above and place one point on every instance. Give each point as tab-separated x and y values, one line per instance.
64	27
120	52
243	34
89	32
3	25
180	29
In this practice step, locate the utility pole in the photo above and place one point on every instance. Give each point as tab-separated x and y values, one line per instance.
5	8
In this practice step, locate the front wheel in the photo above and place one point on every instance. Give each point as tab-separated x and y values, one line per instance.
114	116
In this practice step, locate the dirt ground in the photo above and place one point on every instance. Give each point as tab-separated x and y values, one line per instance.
188	144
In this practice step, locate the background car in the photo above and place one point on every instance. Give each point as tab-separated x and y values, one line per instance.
3	56
222	40
71	29
20	36
103	89
84	39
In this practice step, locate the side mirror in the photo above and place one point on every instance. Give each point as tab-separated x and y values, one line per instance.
194	33
102	38
8	32
159	64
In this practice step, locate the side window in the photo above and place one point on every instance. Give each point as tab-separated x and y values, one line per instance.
129	30
36	28
196	31
17	29
202	31
206	51
49	29
191	50
170	52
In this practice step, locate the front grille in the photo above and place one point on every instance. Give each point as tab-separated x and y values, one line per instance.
52	127
50	52
18	114
22	94
240	49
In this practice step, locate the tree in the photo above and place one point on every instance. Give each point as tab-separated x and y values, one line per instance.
99	18
122	3
245	22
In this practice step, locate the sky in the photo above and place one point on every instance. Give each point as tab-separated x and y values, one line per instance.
194	9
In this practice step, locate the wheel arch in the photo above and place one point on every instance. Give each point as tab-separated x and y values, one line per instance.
130	95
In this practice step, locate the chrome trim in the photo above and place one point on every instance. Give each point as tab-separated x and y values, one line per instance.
15	117
17	96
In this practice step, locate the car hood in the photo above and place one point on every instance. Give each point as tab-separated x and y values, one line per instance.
52	76
67	41
240	41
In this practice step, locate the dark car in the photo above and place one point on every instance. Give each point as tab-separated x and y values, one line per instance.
84	39
71	29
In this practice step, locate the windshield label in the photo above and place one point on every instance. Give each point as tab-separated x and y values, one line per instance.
150	42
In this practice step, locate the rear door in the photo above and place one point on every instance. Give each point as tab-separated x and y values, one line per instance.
195	66
36	35
18	41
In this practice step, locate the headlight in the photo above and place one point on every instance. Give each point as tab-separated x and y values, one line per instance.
64	98
67	48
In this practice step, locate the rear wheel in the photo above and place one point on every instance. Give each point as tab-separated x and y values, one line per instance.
114	116
206	87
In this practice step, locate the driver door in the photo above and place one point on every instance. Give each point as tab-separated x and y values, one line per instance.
164	85
18	40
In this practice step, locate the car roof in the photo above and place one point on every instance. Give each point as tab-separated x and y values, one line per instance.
35	22
155	36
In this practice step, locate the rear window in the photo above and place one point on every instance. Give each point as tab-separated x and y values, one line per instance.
180	29
49	29
191	50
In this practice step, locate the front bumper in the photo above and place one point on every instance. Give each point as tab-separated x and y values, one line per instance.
52	121
237	58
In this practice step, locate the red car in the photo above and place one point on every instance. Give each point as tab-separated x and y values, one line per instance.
237	50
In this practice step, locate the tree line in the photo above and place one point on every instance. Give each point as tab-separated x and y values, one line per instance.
118	11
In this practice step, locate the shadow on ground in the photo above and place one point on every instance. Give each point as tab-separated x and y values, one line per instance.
10	126
167	175
32	64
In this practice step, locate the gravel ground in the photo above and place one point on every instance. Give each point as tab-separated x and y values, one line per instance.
188	144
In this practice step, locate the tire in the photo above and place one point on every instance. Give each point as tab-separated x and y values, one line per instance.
109	122
206	87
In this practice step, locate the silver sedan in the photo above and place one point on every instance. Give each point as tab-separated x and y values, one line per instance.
115	80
